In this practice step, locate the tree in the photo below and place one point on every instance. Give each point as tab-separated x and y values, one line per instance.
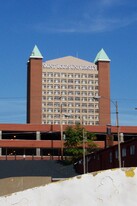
74	141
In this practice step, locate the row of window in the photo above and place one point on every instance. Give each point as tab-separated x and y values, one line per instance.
58	86
71	110
124	152
70	104
79	93
84	117
69	75
76	81
49	98
64	116
50	110
69	122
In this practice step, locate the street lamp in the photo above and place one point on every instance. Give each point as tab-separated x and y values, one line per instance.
117	125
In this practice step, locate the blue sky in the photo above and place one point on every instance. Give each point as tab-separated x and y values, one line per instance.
68	27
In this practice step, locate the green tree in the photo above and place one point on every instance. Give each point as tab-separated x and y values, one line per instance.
74	141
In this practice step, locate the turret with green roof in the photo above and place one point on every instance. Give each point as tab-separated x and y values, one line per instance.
103	66
101	56
34	87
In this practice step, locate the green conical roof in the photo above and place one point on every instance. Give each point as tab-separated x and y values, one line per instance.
101	56
36	53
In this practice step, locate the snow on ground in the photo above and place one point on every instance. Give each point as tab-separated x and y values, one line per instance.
111	187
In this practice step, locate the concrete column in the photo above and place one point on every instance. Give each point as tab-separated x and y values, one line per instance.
38	138
0	139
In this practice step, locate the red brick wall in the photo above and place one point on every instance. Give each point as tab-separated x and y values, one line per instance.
34	91
104	92
56	128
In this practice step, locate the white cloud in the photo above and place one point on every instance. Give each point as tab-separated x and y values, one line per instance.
100	16
93	25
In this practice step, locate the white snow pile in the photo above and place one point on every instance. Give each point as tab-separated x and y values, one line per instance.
111	187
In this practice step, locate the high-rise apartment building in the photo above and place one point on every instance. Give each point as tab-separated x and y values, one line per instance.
63	90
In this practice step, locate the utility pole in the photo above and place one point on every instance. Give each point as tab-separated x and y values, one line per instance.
119	148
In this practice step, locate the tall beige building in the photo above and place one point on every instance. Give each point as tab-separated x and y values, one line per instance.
62	91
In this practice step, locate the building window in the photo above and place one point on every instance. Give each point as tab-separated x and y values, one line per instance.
84	105
84	93
110	157
77	87
70	87
64	122
70	98
56	75
70	104
49	116
70	122
77	105
49	80
64	92
44	74
64	81
49	110
77	98
56	92
70	81
49	104
77	75
49	74
56	86
132	149
64	87
57	97
64	98
56	80
84	110
84	87
43	98
56	110
77	111
49	122
57	116
90	99
56	122
56	104
70	93
124	152
84	99
84	82
77	93
91	88
84	76
70	111
116	154
50	98
70	75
